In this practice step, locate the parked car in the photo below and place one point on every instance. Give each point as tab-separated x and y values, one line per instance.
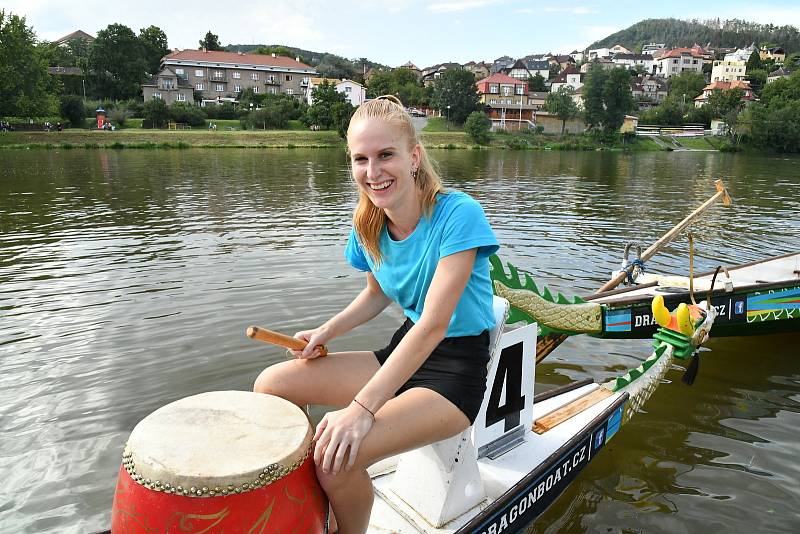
414	112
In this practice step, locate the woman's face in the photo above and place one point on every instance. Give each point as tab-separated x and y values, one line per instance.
382	163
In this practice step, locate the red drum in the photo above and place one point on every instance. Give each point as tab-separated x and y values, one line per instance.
224	461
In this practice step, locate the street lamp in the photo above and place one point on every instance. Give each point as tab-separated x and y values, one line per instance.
448	117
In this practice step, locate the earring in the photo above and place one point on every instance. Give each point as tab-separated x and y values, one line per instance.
414	174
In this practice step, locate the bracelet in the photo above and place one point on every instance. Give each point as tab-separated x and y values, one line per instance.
368	410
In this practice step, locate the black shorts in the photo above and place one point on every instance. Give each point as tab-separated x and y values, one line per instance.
456	369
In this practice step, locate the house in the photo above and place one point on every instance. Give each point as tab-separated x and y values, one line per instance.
413	68
604	62
431	74
728	71
518	70
631	61
506	101
480	70
782	72
169	87
777	53
648	90
570	76
77	34
537	99
537	66
355	92
562	61
578	56
679	60
500	64
741	54
744	85
652	48
222	76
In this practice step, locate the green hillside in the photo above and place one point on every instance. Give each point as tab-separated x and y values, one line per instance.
728	33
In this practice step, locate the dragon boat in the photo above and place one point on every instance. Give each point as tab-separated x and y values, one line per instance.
497	476
757	298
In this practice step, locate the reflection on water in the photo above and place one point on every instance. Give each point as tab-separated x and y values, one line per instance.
128	277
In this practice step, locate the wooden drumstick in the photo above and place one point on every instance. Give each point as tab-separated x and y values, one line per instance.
282	340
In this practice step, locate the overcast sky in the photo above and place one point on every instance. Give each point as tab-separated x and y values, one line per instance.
388	31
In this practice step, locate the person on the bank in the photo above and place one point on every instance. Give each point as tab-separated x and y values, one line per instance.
426	249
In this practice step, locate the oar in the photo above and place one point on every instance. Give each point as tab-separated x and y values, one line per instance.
547	344
282	340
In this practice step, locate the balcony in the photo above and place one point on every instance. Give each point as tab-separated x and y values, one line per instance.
272	81
216	78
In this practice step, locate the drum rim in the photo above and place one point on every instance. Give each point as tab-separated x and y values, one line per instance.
191	485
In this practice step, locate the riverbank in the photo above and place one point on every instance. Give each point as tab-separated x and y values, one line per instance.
155	139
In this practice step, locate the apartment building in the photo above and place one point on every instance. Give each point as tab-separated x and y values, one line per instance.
728	71
222	76
679	60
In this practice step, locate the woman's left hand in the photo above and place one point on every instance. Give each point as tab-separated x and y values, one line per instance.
339	435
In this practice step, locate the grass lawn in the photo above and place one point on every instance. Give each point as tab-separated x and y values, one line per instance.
440	124
696	143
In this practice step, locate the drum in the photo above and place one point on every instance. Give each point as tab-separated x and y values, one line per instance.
224	461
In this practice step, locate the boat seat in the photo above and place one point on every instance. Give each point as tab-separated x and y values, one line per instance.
441	481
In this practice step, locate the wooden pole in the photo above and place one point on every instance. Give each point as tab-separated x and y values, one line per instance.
547	344
282	340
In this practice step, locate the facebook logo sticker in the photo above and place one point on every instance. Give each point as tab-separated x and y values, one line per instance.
738	307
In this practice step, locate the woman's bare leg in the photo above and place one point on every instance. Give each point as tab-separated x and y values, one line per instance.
417	417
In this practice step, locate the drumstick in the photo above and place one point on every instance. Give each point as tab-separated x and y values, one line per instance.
282	340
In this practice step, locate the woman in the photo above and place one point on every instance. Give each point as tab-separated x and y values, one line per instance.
427	250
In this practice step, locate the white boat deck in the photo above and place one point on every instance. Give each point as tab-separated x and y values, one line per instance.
390	514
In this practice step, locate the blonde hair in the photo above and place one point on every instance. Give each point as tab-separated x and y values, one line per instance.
369	220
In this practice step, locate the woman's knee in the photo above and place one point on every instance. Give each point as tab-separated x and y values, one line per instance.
277	379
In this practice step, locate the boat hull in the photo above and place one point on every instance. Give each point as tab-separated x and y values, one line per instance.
747	311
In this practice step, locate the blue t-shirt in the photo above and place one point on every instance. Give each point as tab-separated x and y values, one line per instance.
405	273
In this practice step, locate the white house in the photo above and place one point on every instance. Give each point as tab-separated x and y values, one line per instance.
728	71
741	54
630	61
679	60
569	76
354	91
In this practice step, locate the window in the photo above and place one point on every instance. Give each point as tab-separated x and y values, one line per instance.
494	88
255	89
305	79
348	89
271	78
179	72
254	76
271	90
181	97
199	86
237	88
290	91
198	73
157	95
219	87
288	77
493	101
237	75
518	89
506	90
217	74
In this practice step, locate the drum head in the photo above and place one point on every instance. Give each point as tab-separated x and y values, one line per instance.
220	439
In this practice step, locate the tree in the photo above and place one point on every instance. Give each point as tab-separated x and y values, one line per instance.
455	92
210	42
187	113
26	88
117	62
593	88
754	62
617	99
478	126
276	113
73	110
330	109
687	83
757	79
727	105
154	47
536	83
562	105
155	111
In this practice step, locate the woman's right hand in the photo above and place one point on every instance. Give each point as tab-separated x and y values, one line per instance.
314	338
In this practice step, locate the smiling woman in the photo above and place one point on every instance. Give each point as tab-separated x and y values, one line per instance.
427	250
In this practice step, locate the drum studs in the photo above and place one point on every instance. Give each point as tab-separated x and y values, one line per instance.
205	490
224	492
230	488
199	493
192	489
216	490
179	489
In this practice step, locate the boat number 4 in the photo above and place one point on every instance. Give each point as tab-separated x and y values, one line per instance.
508	402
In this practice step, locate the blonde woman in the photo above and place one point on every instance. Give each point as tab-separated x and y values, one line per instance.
427	250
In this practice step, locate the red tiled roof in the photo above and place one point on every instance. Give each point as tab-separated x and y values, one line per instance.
724	86
677	52
235	58
500	78
77	34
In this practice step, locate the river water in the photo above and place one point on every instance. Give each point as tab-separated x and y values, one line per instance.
127	279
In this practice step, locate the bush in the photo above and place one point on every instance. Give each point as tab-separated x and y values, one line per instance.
73	110
119	116
187	113
478	126
225	110
155	112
